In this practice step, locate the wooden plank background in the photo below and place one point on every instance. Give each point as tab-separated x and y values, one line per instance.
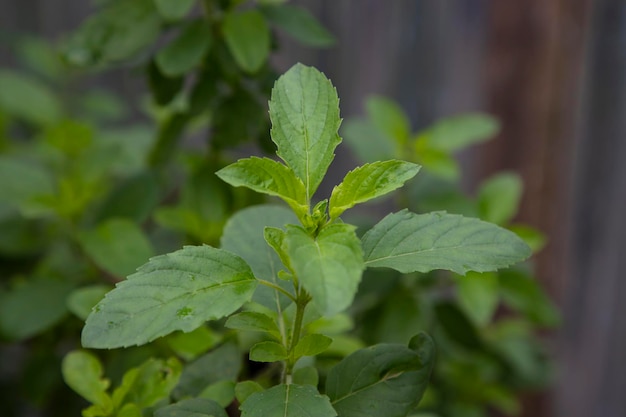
554	72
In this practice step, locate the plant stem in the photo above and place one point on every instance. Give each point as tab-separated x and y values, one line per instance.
277	288
301	303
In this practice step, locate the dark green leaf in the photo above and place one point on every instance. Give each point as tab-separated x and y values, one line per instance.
253	321
174	9
187	50
163	88
382	380
299	23
245	389
457	326
328	266
410	242
243	235
223	363
117	245
368	182
304	110
32	307
28	99
306	376
132	199
22	183
288	400
499	197
248	38
222	392
177	291
268	352
83	372
524	294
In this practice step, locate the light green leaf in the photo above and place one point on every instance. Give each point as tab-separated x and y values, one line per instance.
382	380
268	352
193	407
117	245
83	372
457	132
187	50
245	389
329	266
439	163
253	321
304	109
174	9
388	118
267	176
368	182
82	300
190	345
243	235
288	400
28	99
311	345
478	295
176	291
147	384
222	392
499	197
366	141
221	364
248	38
32	308
300	24
409	242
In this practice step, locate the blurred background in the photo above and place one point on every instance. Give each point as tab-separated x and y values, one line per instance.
552	71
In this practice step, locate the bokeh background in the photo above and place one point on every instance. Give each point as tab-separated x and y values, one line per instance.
554	73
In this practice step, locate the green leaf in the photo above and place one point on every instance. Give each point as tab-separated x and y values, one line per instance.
300	24
304	109
388	118
366	141
22	183
329	266
457	325
190	345
267	176
409	242
311	345
243	235
187	50
117	245
307	375
382	380
524	294
82	300
533	237
268	352
288	400
83	372
164	89
149	383
133	199
32	308
368	182
176	291
28	99
499	197
253	321
222	392
174	9
245	389
221	364
478	295
457	132
248	38
439	163
119	31
193	407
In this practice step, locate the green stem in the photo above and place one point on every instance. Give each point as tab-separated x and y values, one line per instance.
301	303
277	288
